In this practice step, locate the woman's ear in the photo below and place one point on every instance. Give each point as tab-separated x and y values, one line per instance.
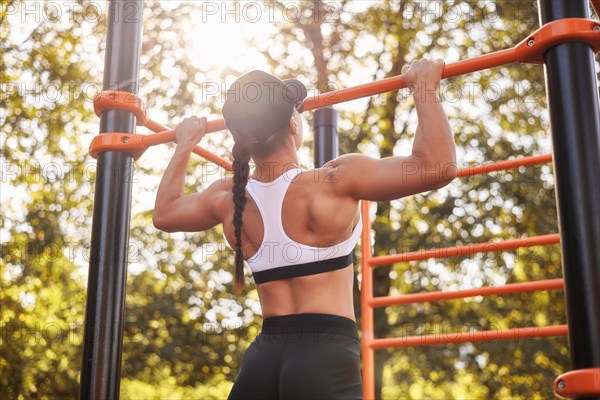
293	127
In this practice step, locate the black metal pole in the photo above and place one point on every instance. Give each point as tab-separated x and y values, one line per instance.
575	120
326	135
101	366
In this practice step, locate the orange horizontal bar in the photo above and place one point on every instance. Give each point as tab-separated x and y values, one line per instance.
504	165
529	50
165	135
467	337
129	143
118	100
578	383
486	61
396	83
113	99
412	298
465	250
136	145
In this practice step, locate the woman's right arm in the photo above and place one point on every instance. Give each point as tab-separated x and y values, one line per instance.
176	212
432	163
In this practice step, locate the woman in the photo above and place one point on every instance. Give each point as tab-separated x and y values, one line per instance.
297	229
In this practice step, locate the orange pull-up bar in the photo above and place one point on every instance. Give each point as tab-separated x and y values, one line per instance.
136	145
578	383
530	50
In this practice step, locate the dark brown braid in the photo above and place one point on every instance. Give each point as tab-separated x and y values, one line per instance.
241	169
246	145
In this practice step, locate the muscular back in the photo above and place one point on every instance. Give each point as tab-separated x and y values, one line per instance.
313	213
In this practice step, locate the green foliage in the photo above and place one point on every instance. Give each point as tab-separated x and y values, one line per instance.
216	388
42	113
185	332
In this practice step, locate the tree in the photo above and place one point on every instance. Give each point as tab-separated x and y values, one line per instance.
43	113
185	331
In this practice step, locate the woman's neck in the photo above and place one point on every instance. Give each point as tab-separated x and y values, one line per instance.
269	169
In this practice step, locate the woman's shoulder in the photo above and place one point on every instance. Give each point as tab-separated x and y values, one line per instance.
221	184
330	172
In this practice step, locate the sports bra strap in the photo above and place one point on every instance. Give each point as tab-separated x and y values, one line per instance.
278	250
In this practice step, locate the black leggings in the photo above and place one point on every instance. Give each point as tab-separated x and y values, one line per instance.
302	356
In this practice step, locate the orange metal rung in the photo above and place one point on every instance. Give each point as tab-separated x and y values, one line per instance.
558	32
465	250
135	145
166	135
211	126
460	294
580	382
117	100
529	50
504	165
466	337
129	143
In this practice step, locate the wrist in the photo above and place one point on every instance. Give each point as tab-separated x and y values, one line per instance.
185	147
426	99
426	92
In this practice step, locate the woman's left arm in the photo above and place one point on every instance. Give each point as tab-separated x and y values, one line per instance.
174	212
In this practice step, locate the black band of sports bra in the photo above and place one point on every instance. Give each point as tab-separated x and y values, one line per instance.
312	268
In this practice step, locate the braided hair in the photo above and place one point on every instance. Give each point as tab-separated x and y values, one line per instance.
257	112
241	169
247	144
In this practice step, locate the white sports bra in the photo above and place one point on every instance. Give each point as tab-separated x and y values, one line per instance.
280	257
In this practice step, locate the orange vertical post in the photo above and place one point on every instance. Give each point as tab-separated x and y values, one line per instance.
366	310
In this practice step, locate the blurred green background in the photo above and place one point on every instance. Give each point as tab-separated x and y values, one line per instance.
185	330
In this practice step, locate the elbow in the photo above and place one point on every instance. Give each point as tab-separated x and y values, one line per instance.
448	173
445	173
157	221
441	183
160	222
